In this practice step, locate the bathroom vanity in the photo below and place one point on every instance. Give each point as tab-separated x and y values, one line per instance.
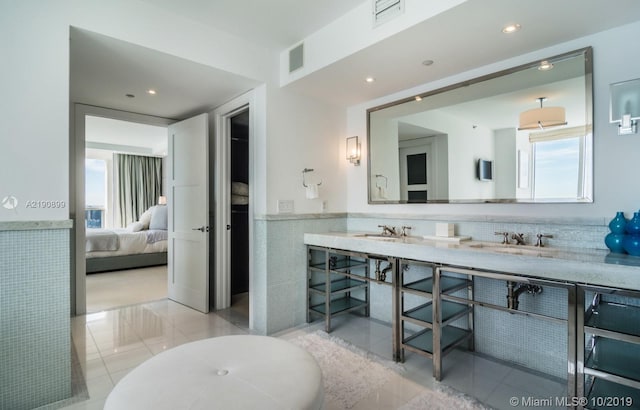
443	294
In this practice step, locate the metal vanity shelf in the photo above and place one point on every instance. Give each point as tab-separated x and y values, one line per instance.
435	316
338	283
609	347
449	294
433	304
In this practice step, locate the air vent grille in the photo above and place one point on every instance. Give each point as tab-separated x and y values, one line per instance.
296	58
385	10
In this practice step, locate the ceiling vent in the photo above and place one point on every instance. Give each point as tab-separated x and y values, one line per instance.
296	58
386	10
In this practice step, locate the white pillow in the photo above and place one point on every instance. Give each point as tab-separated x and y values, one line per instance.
159	218
135	226
145	218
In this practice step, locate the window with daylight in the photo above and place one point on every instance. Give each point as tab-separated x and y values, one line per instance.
557	168
95	192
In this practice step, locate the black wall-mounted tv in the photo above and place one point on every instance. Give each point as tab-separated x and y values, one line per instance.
485	170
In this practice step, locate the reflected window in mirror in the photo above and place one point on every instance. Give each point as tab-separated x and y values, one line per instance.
559	164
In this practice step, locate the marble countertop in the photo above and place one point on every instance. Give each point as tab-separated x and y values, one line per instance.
588	266
35	225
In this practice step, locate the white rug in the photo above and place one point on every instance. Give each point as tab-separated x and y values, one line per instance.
444	398
350	374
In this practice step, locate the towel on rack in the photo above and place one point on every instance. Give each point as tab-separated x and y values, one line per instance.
239	200
239	188
382	192
312	191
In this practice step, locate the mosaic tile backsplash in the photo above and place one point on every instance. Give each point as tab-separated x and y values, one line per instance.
530	342
35	361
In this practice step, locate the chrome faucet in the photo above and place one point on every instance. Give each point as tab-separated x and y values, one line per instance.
505	237
404	230
388	230
540	236
519	238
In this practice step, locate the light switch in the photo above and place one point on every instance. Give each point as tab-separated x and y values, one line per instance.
285	206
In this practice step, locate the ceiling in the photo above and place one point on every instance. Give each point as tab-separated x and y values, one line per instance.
124	136
459	40
275	24
104	70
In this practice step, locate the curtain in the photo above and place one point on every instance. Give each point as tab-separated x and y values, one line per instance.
559	134
139	185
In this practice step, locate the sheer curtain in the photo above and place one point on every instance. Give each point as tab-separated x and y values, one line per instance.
139	185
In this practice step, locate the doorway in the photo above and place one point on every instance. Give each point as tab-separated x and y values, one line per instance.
78	188
234	213
135	270
239	137
415	173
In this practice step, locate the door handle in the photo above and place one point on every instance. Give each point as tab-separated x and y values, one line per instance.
201	229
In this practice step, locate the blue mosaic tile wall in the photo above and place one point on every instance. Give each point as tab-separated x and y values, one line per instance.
280	270
531	342
534	343
35	358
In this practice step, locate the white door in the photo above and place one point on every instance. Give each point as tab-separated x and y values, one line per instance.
187	197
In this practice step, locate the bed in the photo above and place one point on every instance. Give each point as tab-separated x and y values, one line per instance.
143	243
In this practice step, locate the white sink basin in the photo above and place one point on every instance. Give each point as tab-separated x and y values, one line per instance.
514	249
387	238
377	237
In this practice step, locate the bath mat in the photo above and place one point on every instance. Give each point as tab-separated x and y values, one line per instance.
350	374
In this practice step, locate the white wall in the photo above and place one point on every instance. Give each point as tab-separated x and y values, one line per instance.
354	31
304	133
34	110
505	171
615	184
384	156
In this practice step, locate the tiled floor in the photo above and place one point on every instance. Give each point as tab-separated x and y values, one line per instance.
109	290
111	343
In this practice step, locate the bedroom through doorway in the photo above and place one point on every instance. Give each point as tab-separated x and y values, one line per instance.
125	213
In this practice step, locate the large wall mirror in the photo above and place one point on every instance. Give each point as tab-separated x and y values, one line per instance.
519	135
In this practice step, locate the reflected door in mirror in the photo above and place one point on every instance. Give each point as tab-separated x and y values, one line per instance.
414	173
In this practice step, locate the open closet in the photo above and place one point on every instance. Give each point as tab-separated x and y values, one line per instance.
239	209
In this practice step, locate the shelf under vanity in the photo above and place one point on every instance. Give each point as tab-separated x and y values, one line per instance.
441	315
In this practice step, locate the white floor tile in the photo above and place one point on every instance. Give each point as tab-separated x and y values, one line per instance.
95	368
110	344
127	360
99	387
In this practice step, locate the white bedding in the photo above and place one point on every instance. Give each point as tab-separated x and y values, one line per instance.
131	243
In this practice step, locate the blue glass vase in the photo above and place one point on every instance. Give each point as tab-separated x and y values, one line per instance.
614	242
631	244
633	226
619	223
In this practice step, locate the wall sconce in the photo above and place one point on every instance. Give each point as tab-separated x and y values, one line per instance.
353	150
162	200
624	106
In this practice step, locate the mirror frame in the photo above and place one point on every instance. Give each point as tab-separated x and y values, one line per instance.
587	52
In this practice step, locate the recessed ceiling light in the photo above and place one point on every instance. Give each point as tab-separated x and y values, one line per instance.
427	62
511	28
130	96
418	98
151	91
369	79
545	65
